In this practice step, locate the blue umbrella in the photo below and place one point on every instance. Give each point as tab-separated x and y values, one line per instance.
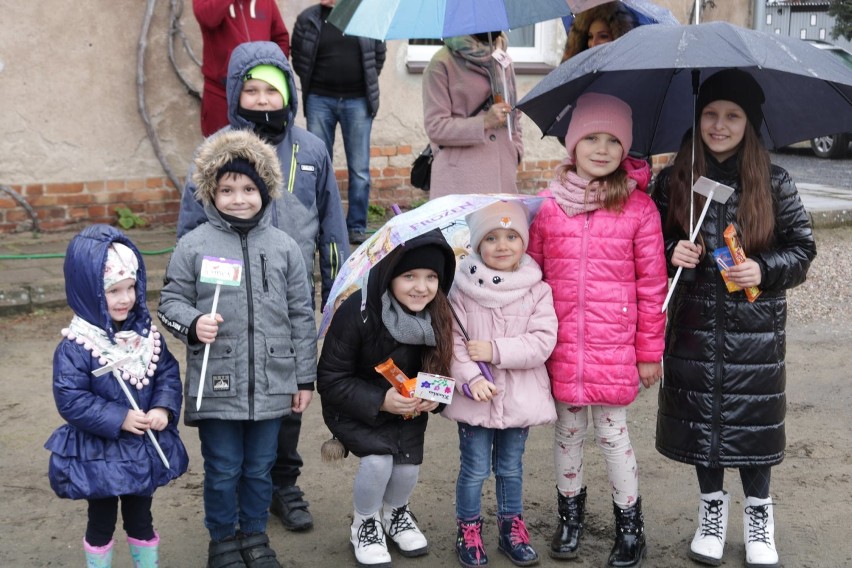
646	12
657	69
408	19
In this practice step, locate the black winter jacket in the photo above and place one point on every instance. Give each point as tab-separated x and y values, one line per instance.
351	390
304	46
722	401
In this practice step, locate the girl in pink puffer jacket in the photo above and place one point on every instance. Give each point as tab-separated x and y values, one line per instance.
600	246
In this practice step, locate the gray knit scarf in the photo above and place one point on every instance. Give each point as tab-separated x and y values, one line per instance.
405	327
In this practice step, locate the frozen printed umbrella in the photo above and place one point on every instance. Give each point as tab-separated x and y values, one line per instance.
446	213
437	19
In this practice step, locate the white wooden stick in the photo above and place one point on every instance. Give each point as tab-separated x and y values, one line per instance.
206	351
117	374
692	238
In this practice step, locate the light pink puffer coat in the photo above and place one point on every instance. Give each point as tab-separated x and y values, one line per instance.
608	275
522	334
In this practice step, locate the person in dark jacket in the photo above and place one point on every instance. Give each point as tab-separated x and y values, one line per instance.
403	315
103	454
309	210
261	340
722	401
340	85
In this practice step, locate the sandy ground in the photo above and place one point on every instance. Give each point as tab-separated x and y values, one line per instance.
812	487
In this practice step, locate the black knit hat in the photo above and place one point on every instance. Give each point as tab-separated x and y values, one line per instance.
427	256
738	87
243	166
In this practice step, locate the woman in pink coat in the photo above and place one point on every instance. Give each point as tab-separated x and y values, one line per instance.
508	313
600	246
478	153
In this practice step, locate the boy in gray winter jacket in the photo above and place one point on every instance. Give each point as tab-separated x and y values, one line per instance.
262	340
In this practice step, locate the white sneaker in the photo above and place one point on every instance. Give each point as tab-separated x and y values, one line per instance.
400	525
368	542
708	544
759	533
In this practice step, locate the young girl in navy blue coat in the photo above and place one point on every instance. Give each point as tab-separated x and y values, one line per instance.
103	454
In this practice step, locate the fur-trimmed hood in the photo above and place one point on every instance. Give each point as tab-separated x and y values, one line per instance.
225	146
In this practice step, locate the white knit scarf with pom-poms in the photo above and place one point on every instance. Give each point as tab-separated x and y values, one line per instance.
144	352
495	288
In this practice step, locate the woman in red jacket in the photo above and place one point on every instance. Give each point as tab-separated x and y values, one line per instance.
600	246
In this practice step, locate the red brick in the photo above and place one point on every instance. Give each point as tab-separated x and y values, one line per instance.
375	152
96	186
63	188
406	149
7	203
32	190
389	151
135	184
97	211
115	184
72	200
154	182
45	200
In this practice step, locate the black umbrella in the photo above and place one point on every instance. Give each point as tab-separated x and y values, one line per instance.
656	69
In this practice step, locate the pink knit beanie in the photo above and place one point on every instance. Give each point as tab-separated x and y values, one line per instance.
596	112
500	215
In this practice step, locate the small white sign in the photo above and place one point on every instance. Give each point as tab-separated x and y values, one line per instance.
222	271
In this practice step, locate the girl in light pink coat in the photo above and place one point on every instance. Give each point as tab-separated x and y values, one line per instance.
508	313
600	246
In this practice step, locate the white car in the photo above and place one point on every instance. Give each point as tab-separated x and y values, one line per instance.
833	146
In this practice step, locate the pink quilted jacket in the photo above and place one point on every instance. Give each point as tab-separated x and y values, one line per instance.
608	275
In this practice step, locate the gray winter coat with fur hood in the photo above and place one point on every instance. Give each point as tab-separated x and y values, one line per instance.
309	207
265	349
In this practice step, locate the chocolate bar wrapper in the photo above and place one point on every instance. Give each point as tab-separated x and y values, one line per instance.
724	261
739	257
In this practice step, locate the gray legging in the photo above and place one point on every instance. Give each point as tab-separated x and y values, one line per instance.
379	480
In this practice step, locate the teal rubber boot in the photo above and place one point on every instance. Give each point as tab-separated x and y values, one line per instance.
98	556
145	553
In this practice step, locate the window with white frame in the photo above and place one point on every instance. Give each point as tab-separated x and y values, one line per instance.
533	49
803	33
813	19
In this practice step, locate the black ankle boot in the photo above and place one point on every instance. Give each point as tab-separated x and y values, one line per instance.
514	541
629	548
566	539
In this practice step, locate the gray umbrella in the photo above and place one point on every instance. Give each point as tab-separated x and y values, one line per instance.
656	69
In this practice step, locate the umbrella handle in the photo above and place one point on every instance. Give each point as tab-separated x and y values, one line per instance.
486	372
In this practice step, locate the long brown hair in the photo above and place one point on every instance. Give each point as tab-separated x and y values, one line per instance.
437	359
615	184
755	212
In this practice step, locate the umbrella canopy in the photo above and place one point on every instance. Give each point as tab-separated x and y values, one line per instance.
646	12
446	213
657	69
407	19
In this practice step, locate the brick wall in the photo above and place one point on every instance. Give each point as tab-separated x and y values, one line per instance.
70	206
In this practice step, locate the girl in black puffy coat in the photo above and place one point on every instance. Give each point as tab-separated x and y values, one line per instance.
406	317
722	400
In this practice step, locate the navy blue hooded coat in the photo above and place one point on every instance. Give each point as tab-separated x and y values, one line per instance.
91	456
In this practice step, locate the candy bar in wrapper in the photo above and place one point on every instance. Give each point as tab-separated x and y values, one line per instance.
739	257
398	379
724	261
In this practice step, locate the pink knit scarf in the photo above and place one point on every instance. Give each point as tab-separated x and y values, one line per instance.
577	195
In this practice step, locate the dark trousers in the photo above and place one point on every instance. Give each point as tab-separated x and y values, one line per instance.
135	514
288	463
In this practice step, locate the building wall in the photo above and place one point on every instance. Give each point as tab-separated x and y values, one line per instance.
75	145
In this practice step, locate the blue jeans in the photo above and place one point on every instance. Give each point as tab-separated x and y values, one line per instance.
238	457
482	449
323	114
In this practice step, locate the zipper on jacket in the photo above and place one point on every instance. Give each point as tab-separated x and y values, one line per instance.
292	181
581	306
333	259
263	265
245	23
718	364
249	301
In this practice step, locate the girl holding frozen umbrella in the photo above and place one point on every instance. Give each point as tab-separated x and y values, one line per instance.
102	454
722	400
